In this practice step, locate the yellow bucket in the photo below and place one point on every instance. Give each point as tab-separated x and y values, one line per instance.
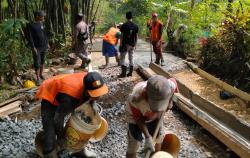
77	131
101	132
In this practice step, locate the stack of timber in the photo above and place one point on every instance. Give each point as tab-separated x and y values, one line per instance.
224	124
10	106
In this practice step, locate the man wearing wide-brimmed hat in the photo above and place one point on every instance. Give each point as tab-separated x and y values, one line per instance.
60	96
145	105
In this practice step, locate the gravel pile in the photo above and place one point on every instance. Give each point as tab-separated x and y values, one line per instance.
17	138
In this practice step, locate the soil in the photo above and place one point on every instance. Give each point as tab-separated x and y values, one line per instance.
211	92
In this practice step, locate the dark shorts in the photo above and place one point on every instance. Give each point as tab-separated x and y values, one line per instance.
39	59
137	133
108	50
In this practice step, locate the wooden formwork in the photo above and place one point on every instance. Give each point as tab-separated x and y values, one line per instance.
226	127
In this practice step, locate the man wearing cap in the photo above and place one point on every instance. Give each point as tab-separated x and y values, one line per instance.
145	105
38	42
156	29
81	40
110	41
60	95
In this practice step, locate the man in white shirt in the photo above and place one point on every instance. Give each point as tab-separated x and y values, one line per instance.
145	105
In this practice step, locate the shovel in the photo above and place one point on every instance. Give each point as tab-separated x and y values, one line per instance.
155	133
170	144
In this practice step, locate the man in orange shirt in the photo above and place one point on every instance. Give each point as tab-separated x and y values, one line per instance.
156	28
109	45
60	96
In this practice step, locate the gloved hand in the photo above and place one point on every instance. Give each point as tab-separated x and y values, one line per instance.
149	145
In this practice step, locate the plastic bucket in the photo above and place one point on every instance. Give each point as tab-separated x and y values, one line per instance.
101	132
162	154
39	144
78	132
171	144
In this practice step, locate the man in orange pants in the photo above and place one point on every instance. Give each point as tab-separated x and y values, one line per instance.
156	28
60	96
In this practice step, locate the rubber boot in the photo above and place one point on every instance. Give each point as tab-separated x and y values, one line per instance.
131	68
85	64
124	71
117	60
85	154
157	60
162	62
52	154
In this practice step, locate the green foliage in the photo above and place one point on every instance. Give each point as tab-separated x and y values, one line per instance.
4	4
227	53
14	54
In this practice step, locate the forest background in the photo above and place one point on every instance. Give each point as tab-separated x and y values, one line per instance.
216	33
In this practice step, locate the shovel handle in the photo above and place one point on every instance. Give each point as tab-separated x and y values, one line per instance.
155	133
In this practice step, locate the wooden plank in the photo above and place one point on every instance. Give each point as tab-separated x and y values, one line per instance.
158	70
10	111
145	72
10	100
241	94
10	106
234	141
230	120
26	89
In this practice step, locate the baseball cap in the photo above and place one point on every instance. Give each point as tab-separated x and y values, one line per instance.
95	85
154	14
159	91
39	13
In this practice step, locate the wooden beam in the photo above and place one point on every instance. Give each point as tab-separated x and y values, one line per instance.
237	92
232	139
10	111
158	70
10	108
10	100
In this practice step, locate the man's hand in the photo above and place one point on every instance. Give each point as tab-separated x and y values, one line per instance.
94	107
149	145
34	51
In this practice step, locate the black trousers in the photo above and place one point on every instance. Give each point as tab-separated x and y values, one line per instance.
53	119
39	59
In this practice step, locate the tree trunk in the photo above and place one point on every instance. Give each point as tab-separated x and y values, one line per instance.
96	11
91	10
61	19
